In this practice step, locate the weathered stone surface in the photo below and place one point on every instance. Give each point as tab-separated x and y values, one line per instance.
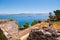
2	36
10	29
44	33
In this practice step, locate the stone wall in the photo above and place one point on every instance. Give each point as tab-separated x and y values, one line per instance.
44	33
2	36
10	29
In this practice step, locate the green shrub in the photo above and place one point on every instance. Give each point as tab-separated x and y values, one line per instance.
34	22
20	27
10	19
26	25
2	36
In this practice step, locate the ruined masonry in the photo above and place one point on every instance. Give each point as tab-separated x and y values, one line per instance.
10	29
44	33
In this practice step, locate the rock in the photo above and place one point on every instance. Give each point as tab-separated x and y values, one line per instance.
58	31
2	36
44	33
24	37
58	38
10	29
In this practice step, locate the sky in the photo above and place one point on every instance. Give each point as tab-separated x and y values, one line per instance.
28	6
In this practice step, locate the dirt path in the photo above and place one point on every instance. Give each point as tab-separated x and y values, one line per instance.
23	32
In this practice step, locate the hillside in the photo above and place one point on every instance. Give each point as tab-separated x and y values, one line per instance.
56	25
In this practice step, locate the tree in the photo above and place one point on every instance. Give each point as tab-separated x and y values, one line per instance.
50	15
57	13
26	25
34	22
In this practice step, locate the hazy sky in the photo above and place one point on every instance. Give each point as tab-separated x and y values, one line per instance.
28	6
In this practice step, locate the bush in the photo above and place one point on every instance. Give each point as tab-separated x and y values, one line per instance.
10	19
34	22
2	36
20	27
26	25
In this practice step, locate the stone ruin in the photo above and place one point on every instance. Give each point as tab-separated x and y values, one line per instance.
10	29
44	33
2	36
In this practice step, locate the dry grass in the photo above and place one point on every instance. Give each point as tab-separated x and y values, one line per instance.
43	24
56	25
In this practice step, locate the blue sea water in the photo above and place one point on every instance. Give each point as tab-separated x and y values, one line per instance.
23	18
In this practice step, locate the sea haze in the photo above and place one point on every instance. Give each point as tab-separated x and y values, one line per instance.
23	18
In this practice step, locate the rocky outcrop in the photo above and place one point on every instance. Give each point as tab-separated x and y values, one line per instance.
44	33
10	29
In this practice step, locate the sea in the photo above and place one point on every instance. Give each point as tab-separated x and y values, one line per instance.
23	18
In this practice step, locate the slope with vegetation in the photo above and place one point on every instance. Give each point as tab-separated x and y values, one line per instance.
2	36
